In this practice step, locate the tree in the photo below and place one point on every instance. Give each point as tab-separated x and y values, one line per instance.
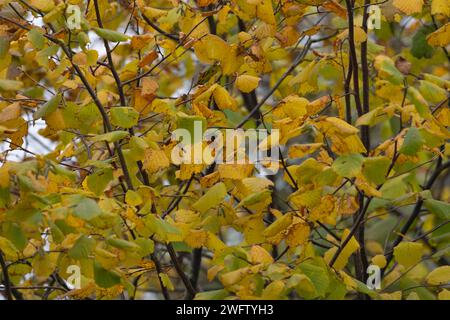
93	206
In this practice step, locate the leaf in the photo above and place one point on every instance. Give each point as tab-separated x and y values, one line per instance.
219	294
432	92
82	248
341	127
105	278
379	260
98	181
211	198
318	276
10	85
301	150
412	143
189	123
87	209
8	248
348	165
49	107
11	112
133	198
166	281
36	38
375	169
43	5
342	259
439	276
124	117
420	47
439	208
440	37
110	35
419	102
223	99
387	70
409	6
408	253
122	244
148	58
247	83
111	136
440	7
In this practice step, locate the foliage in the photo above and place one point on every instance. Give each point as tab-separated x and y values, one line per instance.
86	116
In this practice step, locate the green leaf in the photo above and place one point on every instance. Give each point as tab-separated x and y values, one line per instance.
110	35
105	278
122	244
82	248
418	101
420	47
111	136
87	209
36	38
375	169
412	143
211	198
189	123
318	276
219	294
47	108
125	117
439	208
348	165
432	92
16	235
98	181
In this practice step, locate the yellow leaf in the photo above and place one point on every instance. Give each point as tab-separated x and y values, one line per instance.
155	160
196	238
211	48
9	249
408	253
438	276
301	150
298	234
409	6
292	106
341	127
264	11
444	295
247	83
223	99
80	59
440	37
273	291
379	260
440	7
133	198
260	255
346	252
11	112
280	225
235	171
43	5
166	281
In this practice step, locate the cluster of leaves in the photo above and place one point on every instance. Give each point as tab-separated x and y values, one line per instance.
363	118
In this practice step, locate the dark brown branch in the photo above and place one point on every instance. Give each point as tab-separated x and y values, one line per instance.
6	280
